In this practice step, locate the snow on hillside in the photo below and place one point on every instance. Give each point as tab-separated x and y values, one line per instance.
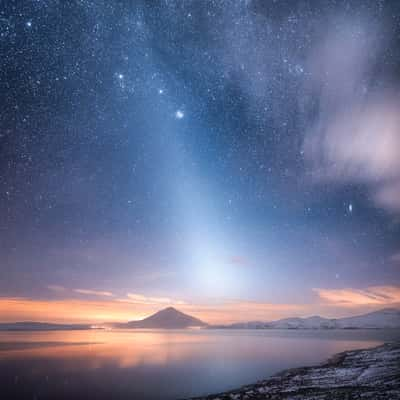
386	318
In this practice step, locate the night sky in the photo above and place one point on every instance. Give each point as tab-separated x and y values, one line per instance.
236	159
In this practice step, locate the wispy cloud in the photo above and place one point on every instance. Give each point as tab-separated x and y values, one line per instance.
355	137
93	292
61	289
371	296
142	299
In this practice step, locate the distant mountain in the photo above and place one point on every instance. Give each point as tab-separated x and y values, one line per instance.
386	318
314	322
40	326
168	318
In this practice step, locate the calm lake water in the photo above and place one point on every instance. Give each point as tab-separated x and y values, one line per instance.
139	364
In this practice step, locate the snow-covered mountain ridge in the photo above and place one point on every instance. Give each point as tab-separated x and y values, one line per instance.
386	318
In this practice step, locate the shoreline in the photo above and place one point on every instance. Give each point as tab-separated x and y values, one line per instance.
371	374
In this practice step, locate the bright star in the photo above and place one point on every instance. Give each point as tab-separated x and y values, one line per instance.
350	207
179	114
29	24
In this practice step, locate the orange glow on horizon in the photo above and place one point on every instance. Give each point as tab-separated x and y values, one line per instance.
113	310
67	311
332	303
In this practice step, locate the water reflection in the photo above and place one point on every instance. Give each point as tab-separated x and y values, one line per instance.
159	364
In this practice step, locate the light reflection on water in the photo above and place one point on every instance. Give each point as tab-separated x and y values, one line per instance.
141	364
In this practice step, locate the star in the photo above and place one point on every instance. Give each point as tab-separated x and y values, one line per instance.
179	114
167	140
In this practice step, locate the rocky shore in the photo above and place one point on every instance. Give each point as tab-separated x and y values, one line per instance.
371	374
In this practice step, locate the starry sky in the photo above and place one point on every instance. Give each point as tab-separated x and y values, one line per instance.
238	160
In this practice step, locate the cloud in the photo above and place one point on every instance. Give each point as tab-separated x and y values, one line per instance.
93	292
141	299
389	195
339	83
372	296
355	134
62	289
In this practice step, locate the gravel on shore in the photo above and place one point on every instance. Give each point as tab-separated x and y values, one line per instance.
371	374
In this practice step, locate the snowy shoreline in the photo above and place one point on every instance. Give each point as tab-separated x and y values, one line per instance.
359	374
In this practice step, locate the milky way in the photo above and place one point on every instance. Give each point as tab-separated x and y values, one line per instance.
200	150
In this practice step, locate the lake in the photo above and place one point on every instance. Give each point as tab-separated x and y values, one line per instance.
160	364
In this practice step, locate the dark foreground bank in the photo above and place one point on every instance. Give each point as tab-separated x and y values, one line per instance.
360	374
